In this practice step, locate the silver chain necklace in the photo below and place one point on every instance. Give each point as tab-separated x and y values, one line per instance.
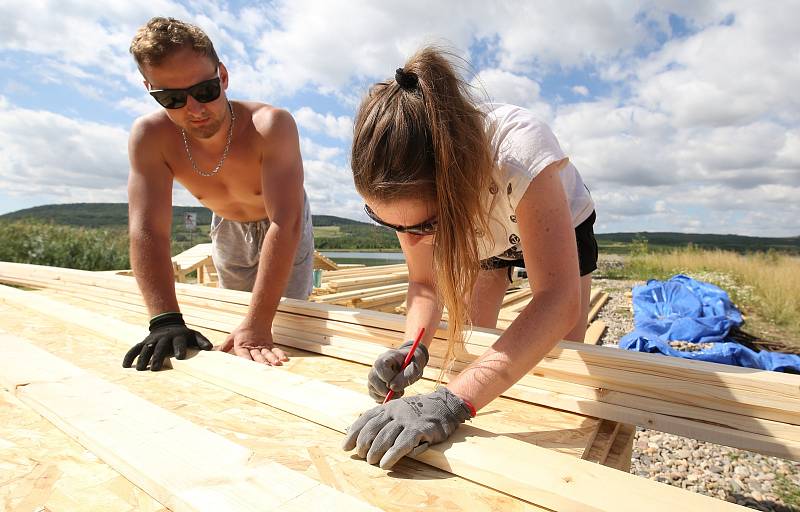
224	152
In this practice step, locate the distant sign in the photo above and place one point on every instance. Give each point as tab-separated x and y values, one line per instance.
190	221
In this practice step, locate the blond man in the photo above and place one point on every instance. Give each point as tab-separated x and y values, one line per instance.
242	161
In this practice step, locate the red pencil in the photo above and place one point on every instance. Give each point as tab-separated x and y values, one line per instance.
410	354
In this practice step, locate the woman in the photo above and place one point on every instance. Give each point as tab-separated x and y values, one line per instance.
471	190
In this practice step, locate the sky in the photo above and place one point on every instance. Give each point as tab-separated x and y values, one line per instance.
680	115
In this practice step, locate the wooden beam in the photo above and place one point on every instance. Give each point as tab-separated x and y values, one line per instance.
183	466
545	478
664	410
323	262
734	430
594	332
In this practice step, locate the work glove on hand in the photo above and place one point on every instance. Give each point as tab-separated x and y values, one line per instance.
168	336
385	373
388	432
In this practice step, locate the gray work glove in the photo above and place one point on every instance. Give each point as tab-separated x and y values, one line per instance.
386	374
388	432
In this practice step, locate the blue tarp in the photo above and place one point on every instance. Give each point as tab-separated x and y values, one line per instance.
684	309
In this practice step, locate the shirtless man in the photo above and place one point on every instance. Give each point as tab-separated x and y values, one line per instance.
241	160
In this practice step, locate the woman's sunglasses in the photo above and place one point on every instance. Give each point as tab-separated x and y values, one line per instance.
422	229
204	92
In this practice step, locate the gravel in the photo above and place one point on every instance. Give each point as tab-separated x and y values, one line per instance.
747	478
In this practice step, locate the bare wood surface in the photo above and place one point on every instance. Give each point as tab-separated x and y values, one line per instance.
459	454
183	466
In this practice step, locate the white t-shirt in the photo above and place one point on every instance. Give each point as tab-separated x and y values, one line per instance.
523	146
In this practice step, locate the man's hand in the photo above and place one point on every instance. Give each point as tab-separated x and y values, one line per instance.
389	432
168	336
254	344
385	373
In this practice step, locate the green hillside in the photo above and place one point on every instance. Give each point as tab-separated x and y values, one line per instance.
333	232
330	232
737	243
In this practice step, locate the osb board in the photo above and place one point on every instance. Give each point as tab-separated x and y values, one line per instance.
550	428
271	434
43	469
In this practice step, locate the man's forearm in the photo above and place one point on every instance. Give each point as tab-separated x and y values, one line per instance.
152	266
274	268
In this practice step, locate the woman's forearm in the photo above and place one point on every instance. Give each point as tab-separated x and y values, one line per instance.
423	309
539	327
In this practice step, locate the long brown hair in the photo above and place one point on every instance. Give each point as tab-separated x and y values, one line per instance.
428	140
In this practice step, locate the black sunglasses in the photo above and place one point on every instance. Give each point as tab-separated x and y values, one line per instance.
204	92
422	229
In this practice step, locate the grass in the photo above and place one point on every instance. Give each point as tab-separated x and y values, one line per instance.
788	491
764	285
327	231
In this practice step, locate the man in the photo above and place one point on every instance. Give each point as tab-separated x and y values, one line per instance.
241	160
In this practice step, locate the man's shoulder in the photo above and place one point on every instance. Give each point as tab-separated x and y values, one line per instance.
271	121
150	127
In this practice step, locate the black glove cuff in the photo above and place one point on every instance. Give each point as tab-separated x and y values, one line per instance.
165	320
420	347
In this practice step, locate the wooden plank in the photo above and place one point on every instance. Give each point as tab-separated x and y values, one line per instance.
619	457
352	283
323	262
344	296
602	443
183	466
283	438
598	305
654	411
589	400
552	480
594	332
43	469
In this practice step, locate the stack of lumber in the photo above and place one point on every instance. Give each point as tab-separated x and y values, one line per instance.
196	259
380	288
350	279
379	298
518	297
222	433
323	262
743	408
516	300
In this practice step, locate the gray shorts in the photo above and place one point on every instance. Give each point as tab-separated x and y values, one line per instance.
236	248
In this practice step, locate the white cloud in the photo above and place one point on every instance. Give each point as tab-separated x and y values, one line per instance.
699	133
137	106
581	90
331	191
313	151
337	127
46	153
728	74
505	87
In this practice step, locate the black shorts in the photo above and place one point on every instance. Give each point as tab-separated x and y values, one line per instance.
587	251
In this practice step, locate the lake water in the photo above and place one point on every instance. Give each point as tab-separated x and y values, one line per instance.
366	258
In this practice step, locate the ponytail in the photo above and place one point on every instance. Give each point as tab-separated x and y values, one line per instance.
420	135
